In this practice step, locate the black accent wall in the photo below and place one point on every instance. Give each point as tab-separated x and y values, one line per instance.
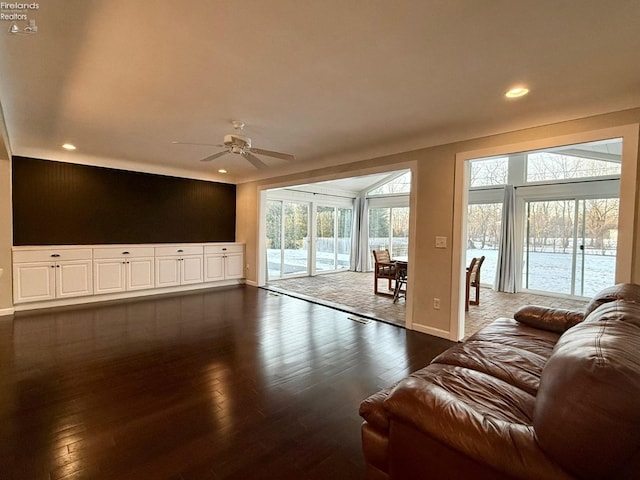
57	203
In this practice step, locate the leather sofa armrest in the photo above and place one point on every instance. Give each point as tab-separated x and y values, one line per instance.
373	412
557	320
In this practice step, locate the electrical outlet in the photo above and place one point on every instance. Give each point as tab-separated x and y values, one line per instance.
436	304
441	242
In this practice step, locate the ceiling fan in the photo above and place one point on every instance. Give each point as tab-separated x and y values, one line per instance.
240	145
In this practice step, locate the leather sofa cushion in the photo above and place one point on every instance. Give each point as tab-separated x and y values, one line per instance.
556	320
476	414
504	339
587	412
510	333
511	364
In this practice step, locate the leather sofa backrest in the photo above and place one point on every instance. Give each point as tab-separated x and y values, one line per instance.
622	291
587	411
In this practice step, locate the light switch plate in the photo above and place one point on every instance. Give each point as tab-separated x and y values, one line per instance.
441	242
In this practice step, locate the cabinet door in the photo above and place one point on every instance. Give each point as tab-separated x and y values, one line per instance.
74	278
167	271
139	273
34	281
192	269
214	267
233	265
109	275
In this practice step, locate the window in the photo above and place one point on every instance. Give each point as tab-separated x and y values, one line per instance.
287	237
389	229
489	171
570	245
545	166
274	238
483	236
401	184
345	219
333	238
595	159
566	213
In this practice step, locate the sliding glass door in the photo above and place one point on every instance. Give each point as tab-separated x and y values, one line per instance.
325	239
274	239
344	232
289	244
333	238
287	238
570	245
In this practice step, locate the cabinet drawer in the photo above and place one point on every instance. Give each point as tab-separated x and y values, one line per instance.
51	255
121	252
174	250
223	248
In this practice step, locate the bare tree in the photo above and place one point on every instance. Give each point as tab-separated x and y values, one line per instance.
601	217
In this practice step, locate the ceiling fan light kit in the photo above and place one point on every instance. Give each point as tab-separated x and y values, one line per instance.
237	141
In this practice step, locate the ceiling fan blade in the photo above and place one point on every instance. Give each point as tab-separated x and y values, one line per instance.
255	161
201	144
214	156
269	153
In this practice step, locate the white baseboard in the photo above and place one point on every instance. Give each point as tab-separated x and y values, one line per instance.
436	332
6	311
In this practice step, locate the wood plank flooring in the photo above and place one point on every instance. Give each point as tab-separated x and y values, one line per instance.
233	383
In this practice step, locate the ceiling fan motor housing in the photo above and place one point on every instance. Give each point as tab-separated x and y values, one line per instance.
237	143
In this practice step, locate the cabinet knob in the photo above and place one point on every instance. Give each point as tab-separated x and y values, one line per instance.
180	251
55	255
224	249
125	253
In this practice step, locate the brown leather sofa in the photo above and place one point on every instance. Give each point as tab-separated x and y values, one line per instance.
550	394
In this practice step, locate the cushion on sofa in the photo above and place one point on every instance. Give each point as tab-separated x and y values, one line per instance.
587	412
511	334
557	320
513	365
475	414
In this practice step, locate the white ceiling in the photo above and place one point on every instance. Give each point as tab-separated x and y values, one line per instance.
328	81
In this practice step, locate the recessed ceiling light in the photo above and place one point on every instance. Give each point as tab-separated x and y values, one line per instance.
69	146
222	170
517	92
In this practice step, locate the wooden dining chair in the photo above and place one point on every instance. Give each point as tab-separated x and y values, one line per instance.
383	268
473	280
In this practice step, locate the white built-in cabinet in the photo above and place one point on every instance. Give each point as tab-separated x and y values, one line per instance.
53	273
223	262
179	265
123	269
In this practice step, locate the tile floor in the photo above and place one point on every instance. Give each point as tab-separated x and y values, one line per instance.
353	292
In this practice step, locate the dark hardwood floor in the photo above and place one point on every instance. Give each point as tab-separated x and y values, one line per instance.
232	383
